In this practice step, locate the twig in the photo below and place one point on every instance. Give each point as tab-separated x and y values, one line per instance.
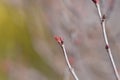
60	41
107	47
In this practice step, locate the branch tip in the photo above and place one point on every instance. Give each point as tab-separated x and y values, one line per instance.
96	1
59	39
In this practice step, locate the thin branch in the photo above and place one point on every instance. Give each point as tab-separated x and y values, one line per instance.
60	41
107	47
68	63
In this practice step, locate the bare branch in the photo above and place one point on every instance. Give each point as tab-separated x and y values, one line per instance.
60	41
107	47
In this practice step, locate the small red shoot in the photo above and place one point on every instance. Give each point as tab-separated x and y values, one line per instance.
59	40
106	47
96	1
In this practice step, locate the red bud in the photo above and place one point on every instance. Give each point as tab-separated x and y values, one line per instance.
106	47
103	17
59	40
95	1
71	60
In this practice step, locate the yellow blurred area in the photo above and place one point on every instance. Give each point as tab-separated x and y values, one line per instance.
3	14
16	45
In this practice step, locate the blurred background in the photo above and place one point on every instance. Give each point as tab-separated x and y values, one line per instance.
28	50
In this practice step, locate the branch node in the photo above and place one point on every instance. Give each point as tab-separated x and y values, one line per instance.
95	1
107	47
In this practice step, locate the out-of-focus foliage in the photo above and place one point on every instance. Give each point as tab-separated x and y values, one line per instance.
16	43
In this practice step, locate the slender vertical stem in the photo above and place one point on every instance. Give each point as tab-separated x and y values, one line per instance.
61	43
106	41
68	63
99	11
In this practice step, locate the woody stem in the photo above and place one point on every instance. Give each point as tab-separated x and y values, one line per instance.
106	42
68	63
